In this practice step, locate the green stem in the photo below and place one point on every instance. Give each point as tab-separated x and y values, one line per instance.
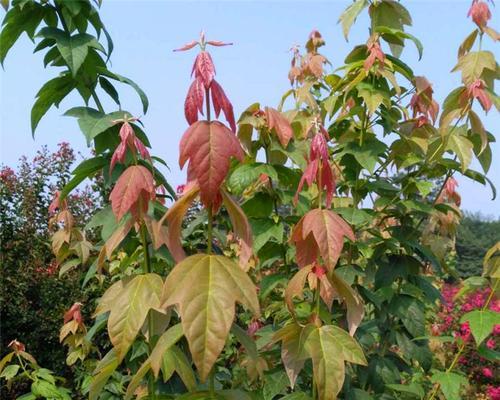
211	383
97	101
147	270
209	230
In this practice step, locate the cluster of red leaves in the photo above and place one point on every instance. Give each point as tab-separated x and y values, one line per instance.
132	192
480	13
477	90
320	233
309	65
205	85
135	187
208	145
74	314
423	105
318	168
128	140
374	53
449	192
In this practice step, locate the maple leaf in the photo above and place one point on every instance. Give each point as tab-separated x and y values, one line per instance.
129	304
280	124
209	147
194	101
221	102
205	289
315	275
329	347
174	217
176	213
320	233
132	192
293	355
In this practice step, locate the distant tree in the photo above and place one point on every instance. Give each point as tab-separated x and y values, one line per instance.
476	234
32	297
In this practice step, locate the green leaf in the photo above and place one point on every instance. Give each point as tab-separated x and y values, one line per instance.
167	340
102	373
129	308
450	384
411	313
366	155
462	147
264	230
296	396
402	35
275	384
412	388
137	378
349	16
10	371
52	93
108	87
93	122
354	216
73	49
85	170
481	323
245	175
328	347
245	340
473	65
207	308
45	389
16	21
139	91
373	97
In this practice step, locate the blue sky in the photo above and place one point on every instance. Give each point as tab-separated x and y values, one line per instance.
254	69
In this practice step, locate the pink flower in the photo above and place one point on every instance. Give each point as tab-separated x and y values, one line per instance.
496	329
493	392
487	372
490	344
480	13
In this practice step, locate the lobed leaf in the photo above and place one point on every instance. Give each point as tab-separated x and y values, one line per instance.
207	308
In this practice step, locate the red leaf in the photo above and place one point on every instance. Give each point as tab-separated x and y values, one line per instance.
218	43
132	191
209	147
281	125
194	101
204	69
221	102
174	217
320	232
187	46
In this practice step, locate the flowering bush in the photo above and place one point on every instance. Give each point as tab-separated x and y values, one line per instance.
479	364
